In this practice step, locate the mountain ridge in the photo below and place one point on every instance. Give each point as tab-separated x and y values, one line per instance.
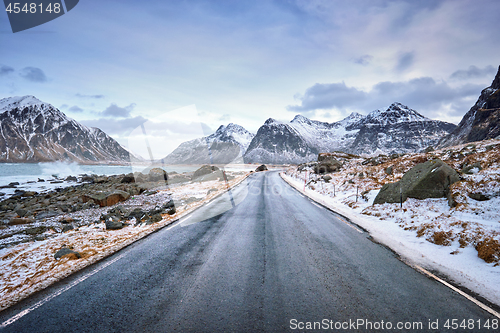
482	121
33	131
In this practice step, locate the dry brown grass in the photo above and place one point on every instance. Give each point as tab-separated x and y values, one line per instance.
488	250
441	238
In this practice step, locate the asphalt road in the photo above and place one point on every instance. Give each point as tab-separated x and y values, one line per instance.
267	264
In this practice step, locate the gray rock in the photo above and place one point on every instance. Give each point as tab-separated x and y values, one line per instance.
326	178
105	199
20	220
65	251
205	170
157	174
67	227
389	170
155	218
35	231
431	179
262	167
113	223
21	212
328	166
478	196
129	178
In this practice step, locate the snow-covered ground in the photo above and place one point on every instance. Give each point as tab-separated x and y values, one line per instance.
30	267
425	232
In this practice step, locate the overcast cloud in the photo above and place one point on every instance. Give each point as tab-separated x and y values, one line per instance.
424	94
118	112
246	61
4	70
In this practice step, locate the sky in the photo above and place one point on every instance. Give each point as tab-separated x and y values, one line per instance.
182	68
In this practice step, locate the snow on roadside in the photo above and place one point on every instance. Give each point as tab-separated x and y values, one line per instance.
425	232
30	267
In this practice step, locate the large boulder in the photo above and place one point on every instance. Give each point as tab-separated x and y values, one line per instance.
327	166
262	167
67	252
205	170
105	199
157	174
431	179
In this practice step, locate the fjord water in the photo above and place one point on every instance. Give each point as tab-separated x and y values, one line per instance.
28	174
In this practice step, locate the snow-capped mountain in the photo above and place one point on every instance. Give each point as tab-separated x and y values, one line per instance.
34	131
226	145
482	121
398	129
395	129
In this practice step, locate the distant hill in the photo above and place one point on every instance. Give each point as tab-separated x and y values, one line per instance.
35	131
226	145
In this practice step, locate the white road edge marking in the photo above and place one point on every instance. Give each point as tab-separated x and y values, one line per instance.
59	292
315	204
349	224
470	298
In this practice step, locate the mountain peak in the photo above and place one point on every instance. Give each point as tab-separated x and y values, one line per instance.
353	118
395	113
10	103
271	121
300	119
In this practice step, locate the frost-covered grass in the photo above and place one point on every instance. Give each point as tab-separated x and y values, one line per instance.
461	241
30	267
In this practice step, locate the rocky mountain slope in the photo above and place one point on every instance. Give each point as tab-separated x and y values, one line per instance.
397	129
34	131
227	144
482	122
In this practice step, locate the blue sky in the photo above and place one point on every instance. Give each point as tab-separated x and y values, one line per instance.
116	64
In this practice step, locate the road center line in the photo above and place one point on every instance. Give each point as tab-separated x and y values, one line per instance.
470	298
57	293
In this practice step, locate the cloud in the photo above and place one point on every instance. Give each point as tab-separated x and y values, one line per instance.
327	96
90	96
363	60
423	94
4	70
405	60
225	117
33	74
115	127
473	72
75	109
115	111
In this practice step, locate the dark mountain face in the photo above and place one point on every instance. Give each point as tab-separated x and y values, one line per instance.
396	129
33	131
482	121
278	143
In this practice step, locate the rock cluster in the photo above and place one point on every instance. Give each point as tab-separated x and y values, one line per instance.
119	216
